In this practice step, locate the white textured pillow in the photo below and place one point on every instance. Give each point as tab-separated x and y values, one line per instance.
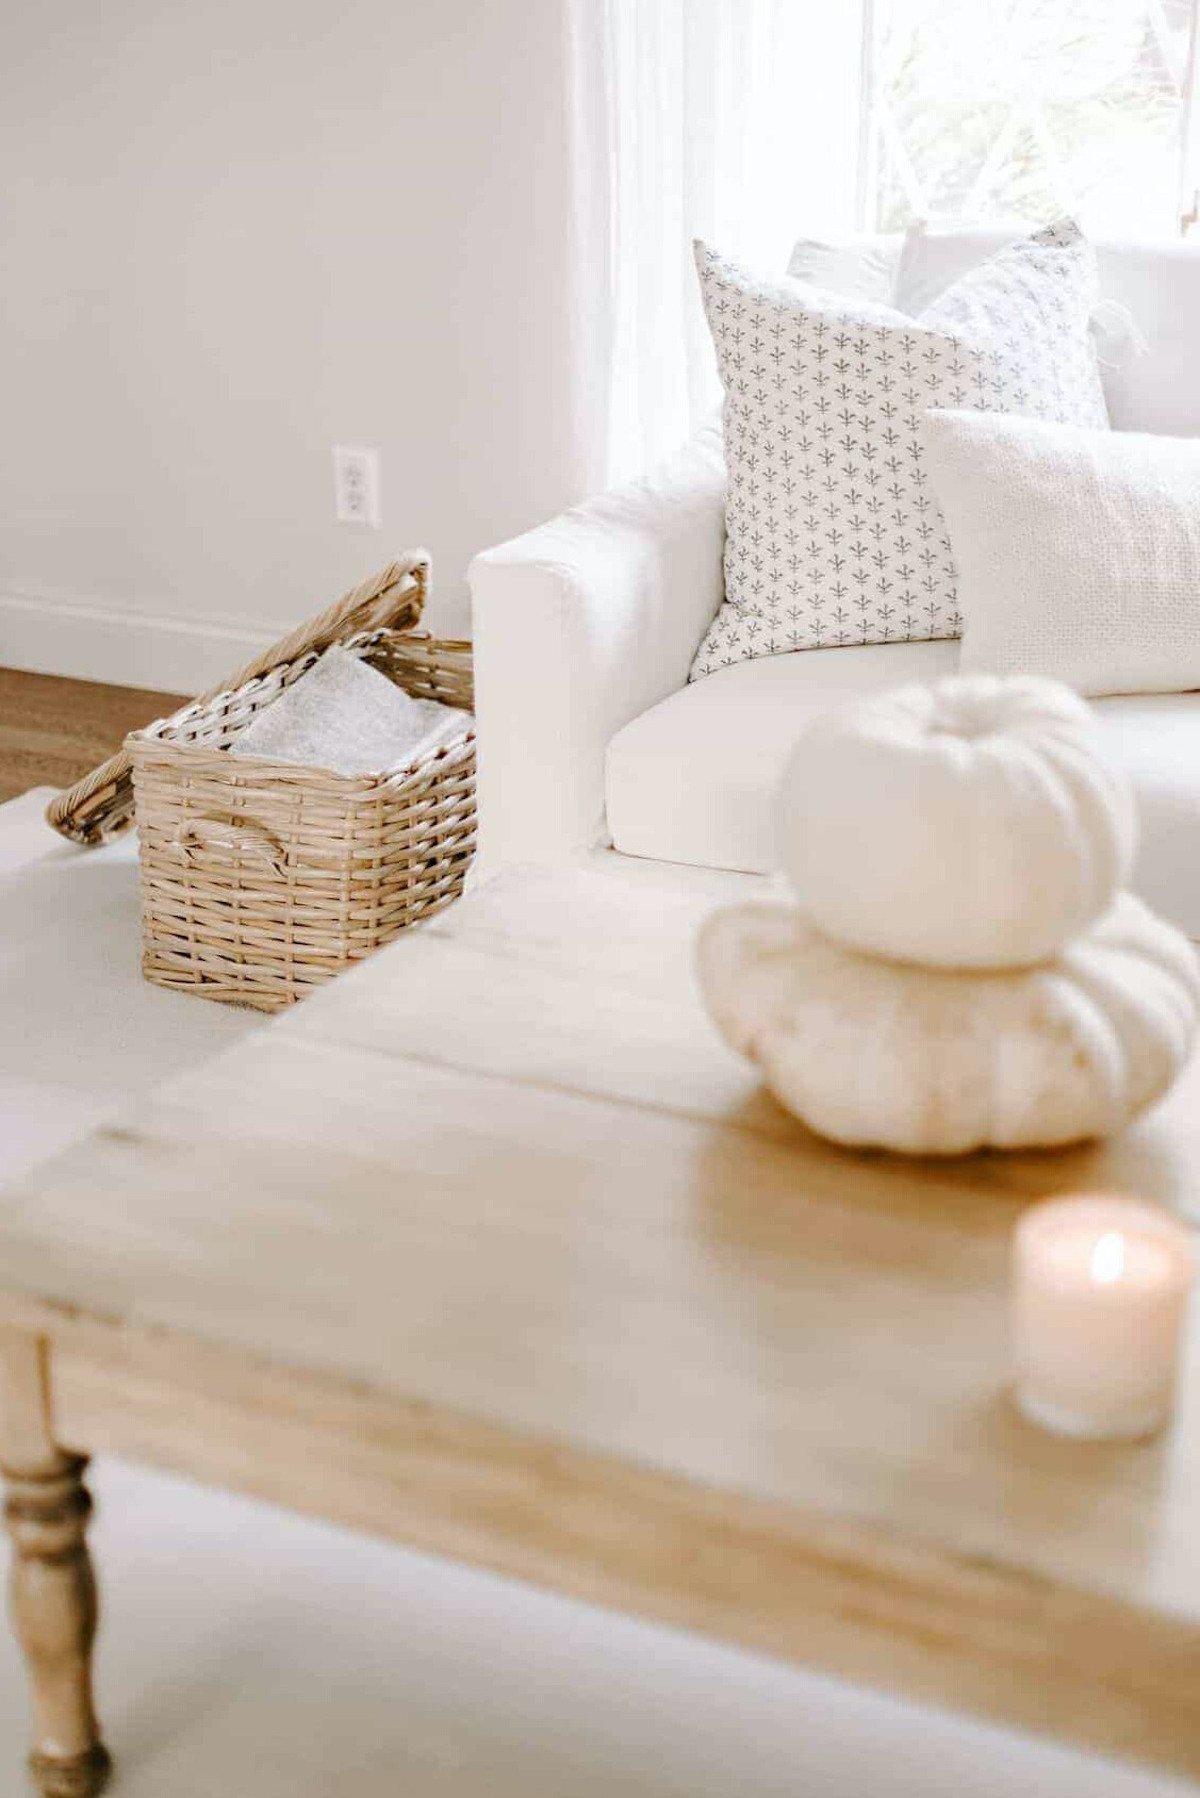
833	533
1078	551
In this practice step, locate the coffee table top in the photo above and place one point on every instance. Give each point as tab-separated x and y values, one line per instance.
507	1172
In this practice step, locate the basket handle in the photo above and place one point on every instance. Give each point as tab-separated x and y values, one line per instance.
100	806
213	839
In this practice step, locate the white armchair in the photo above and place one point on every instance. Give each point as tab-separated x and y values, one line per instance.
585	631
580	626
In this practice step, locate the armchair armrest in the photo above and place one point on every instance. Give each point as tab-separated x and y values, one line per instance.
579	626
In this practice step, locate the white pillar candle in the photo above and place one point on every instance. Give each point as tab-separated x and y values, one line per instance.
1100	1287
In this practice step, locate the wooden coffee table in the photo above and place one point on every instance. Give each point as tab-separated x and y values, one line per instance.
491	1248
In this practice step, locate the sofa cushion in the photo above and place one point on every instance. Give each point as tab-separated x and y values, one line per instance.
1155	737
693	779
1152	379
857	268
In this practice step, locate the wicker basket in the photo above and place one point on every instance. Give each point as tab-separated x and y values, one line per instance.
262	879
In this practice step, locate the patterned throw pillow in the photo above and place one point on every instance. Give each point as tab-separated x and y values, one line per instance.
834	535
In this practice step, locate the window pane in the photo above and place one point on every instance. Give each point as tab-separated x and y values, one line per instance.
987	108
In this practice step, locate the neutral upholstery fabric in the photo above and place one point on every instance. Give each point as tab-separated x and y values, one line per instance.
579	626
1152	379
1155	737
1078	552
833	536
860	268
693	779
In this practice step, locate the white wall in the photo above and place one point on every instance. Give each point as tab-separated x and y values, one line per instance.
235	232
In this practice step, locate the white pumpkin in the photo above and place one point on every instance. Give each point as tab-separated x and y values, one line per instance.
970	823
882	1054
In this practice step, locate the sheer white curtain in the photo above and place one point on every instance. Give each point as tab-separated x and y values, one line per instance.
734	120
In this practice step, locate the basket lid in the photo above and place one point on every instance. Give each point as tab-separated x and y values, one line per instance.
100	806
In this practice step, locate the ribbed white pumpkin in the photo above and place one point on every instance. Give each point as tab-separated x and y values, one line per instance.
882	1054
970	823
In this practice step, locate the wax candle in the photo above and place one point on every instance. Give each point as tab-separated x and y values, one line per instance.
1100	1287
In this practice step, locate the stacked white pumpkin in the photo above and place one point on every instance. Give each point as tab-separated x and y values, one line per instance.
961	967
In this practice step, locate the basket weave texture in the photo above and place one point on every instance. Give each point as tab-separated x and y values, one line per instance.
262	879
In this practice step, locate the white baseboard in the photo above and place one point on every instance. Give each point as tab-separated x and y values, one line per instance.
56	633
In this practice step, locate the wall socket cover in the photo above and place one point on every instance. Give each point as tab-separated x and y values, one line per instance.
356	485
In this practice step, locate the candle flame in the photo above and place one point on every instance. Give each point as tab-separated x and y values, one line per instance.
1108	1258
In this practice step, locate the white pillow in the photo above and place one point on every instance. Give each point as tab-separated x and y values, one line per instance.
932	259
833	534
858	268
1078	551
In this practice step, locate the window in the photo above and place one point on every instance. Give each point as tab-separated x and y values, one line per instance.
1030	108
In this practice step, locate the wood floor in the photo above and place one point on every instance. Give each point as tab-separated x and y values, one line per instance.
54	730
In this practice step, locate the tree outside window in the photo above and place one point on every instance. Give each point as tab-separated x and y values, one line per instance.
982	109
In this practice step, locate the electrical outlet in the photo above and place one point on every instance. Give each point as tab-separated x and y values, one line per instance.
356	485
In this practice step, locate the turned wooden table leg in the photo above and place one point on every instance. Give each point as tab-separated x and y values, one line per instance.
52	1589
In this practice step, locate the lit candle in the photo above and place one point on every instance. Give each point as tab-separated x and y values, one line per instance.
1100	1287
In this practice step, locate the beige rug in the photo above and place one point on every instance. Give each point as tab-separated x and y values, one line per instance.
81	1034
257	1655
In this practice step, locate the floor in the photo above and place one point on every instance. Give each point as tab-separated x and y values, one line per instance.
249	1651
54	730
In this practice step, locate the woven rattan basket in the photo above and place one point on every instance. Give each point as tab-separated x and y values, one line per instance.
261	879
